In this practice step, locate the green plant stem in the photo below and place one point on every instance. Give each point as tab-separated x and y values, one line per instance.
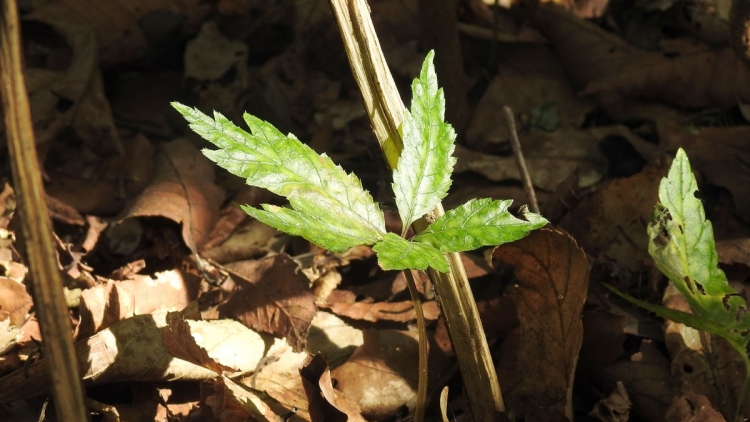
386	112
423	349
745	391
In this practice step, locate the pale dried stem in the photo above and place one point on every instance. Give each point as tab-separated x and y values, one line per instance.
386	112
518	153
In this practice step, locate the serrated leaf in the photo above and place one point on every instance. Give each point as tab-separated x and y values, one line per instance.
322	222
397	253
422	176
331	199
477	223
681	241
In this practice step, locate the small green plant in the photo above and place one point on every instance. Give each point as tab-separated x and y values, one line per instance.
330	208
681	241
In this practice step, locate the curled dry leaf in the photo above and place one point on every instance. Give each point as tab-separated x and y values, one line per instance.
587	51
106	304
227	401
381	375
325	403
232	216
553	278
15	302
272	296
182	190
248	243
133	350
333	338
646	375
88	111
692	407
343	303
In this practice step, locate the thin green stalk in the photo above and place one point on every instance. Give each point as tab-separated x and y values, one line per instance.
745	391
423	349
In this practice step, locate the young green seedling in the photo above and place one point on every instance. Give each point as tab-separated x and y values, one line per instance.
681	241
330	208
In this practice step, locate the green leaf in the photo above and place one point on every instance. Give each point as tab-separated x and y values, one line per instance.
423	173
322	194
397	253
681	241
695	321
477	223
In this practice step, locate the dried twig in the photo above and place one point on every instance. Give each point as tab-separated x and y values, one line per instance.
516	145
36	227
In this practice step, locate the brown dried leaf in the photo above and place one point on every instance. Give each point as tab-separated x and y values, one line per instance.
270	295
553	277
226	401
734	251
15	302
106	304
646	376
696	79
183	191
133	350
333	338
692	407
551	157
81	84
248	243
615	407
343	303
720	154
280	378
535	67
119	25
326	404
181	343
610	224
231	216
381	375
587	51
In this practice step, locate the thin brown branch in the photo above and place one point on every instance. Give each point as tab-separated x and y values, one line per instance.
36	227
518	153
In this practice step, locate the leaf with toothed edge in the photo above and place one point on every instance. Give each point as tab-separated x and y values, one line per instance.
423	174
477	223
330	207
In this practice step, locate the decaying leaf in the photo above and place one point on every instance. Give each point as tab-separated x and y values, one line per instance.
114	301
15	302
118	24
228	401
326	404
610	224
183	191
133	350
343	303
553	277
272	296
646	375
545	85
381	375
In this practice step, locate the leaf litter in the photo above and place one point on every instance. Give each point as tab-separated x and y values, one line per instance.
289	326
